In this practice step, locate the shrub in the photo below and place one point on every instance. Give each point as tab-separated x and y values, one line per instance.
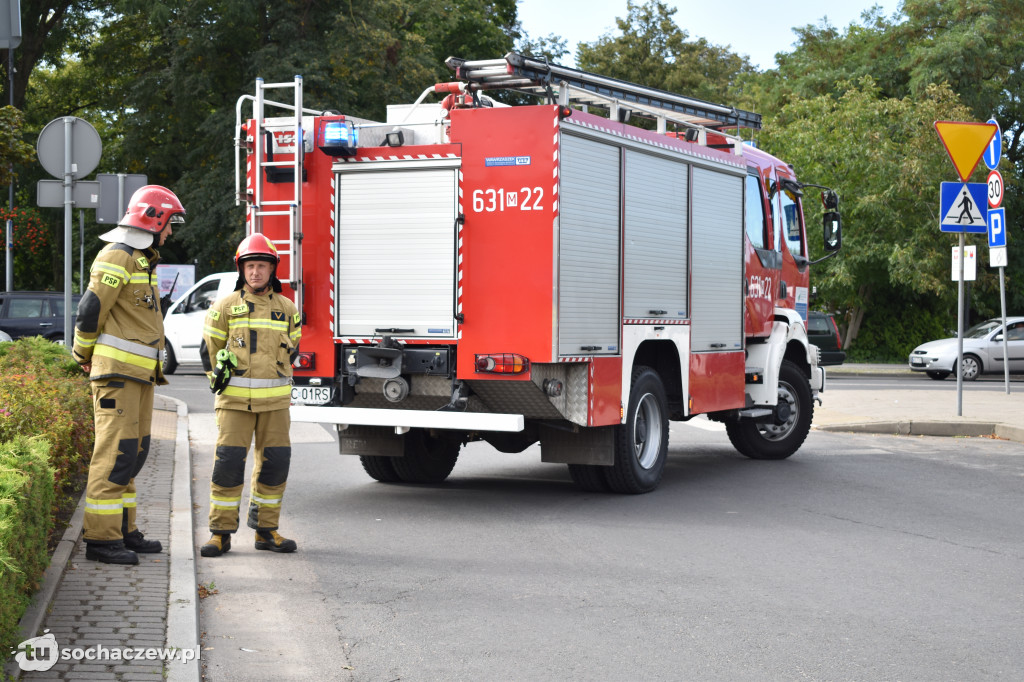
44	392
26	498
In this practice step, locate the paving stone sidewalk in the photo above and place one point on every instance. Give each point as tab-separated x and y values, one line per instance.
99	607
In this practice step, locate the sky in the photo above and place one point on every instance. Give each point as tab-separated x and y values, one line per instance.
757	29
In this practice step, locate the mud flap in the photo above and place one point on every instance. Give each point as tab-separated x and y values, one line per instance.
588	445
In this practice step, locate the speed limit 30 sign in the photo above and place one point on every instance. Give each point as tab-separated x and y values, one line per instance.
995	189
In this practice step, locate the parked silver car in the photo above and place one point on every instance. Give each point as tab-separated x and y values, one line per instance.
983	351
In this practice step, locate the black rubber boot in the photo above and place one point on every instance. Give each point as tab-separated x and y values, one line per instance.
269	539
218	544
114	553
137	543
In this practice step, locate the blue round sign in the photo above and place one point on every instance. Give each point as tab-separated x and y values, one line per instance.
994	151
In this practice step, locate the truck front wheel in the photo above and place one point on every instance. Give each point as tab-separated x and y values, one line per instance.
427	459
780	438
641	444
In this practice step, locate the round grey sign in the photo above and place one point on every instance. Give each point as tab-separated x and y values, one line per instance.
86	147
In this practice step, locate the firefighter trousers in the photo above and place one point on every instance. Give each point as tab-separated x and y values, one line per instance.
123	412
235	431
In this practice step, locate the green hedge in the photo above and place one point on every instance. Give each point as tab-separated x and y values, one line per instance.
44	392
46	437
26	498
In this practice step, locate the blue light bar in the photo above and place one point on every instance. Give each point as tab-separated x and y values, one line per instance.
338	138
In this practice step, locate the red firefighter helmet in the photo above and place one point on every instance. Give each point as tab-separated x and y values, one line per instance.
256	247
151	208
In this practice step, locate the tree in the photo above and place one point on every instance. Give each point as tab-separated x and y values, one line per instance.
882	155
654	51
161	79
51	30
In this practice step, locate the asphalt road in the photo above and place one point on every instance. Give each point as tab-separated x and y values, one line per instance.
861	557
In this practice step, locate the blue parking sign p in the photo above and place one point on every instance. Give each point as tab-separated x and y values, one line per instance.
996	228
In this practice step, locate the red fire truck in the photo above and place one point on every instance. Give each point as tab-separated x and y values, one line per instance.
469	270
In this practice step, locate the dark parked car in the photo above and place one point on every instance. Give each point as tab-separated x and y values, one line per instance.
823	332
35	313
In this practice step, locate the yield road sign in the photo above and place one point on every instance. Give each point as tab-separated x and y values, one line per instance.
963	207
995	189
996	228
965	143
995	148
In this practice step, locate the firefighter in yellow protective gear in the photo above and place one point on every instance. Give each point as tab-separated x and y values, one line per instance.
119	337
252	337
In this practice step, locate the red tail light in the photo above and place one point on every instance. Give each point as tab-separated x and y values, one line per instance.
502	363
839	343
305	361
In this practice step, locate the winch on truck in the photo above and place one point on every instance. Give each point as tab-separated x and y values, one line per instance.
468	270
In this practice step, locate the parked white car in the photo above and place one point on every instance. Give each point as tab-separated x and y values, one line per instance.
983	351
183	323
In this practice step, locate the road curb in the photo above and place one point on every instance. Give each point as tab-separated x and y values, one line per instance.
931	428
182	595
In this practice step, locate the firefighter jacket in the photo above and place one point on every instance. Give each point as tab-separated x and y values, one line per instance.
263	332
120	328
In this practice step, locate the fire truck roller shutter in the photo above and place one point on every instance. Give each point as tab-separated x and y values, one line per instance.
717	297
655	237
588	248
396	249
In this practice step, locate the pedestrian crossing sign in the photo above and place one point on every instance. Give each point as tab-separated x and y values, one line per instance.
963	207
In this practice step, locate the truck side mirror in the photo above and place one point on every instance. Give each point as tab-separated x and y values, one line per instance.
833	228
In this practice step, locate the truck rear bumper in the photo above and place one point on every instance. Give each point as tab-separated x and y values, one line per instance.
465	421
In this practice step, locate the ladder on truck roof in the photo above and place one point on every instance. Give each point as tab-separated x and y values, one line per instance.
258	206
571	86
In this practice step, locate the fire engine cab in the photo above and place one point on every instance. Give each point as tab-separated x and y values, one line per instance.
547	272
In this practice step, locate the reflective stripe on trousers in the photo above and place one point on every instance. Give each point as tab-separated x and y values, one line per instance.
123	413
235	432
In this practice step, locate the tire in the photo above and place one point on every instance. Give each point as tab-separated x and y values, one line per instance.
938	376
427	459
641	444
170	361
57	339
778	441
380	468
589	477
971	367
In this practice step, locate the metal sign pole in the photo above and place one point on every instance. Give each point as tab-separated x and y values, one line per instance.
81	252
69	122
1006	332
960	334
10	190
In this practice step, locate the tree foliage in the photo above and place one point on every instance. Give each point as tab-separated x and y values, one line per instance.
850	107
881	154
652	49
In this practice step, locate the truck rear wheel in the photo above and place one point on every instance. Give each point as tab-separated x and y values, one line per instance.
427	459
769	440
380	468
641	444
589	477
